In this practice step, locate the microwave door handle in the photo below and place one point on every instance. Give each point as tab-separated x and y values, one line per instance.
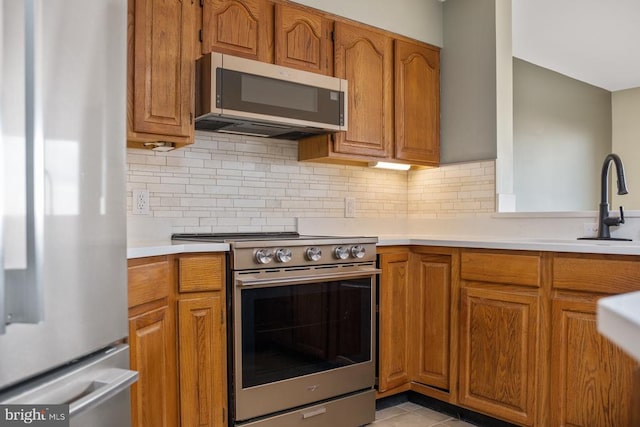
22	291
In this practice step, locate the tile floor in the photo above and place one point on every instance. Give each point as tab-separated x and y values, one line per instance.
409	414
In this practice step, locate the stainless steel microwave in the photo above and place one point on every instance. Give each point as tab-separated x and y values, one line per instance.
242	96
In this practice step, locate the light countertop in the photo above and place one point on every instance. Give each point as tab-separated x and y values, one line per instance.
619	320
166	247
518	243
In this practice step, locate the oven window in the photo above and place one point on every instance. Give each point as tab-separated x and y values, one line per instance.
289	331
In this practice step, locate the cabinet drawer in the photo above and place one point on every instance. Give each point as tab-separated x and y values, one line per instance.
200	273
148	281
500	267
594	273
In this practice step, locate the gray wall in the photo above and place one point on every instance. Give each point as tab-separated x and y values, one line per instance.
419	19
626	142
468	81
561	134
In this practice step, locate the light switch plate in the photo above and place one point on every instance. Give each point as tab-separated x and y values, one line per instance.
349	207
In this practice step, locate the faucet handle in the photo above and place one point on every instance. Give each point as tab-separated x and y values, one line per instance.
621	221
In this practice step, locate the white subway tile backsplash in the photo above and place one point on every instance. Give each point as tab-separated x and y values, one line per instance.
234	183
452	190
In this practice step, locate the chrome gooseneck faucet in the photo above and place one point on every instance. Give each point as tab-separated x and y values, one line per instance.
604	220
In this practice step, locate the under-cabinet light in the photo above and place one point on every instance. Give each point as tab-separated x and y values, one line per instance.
389	165
160	146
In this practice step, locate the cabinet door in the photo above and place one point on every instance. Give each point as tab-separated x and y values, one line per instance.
160	70
238	27
365	59
393	326
498	353
153	354
203	376
430	312
591	378
303	40
417	101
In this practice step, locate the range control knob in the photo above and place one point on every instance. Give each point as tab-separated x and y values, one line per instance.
313	253
341	252
264	256
283	255
358	251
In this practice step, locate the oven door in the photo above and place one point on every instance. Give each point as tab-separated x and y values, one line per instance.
301	339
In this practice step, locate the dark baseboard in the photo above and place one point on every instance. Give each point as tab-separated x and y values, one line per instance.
388	402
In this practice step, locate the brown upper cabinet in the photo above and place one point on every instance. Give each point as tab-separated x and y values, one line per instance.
160	65
303	39
417	96
393	103
364	57
238	27
380	80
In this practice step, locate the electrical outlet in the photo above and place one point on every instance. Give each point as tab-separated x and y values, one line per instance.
590	229
140	202
349	207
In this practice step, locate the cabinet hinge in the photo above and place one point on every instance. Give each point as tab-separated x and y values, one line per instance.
191	118
200	34
224	416
333	36
222	317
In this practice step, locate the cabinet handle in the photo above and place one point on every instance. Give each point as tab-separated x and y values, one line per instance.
314	413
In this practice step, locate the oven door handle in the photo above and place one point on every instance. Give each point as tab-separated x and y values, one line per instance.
252	281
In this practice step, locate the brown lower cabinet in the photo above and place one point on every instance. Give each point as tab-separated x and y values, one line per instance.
153	356
510	334
501	361
635	399
498	353
393	340
177	334
518	329
433	288
152	341
416	339
591	378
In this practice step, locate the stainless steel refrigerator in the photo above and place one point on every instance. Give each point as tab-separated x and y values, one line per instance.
63	294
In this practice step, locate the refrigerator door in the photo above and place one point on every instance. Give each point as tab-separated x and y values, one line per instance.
96	389
62	117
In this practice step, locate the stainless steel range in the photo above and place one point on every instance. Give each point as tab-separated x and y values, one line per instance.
302	315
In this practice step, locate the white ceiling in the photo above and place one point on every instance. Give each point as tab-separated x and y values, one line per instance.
595	41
